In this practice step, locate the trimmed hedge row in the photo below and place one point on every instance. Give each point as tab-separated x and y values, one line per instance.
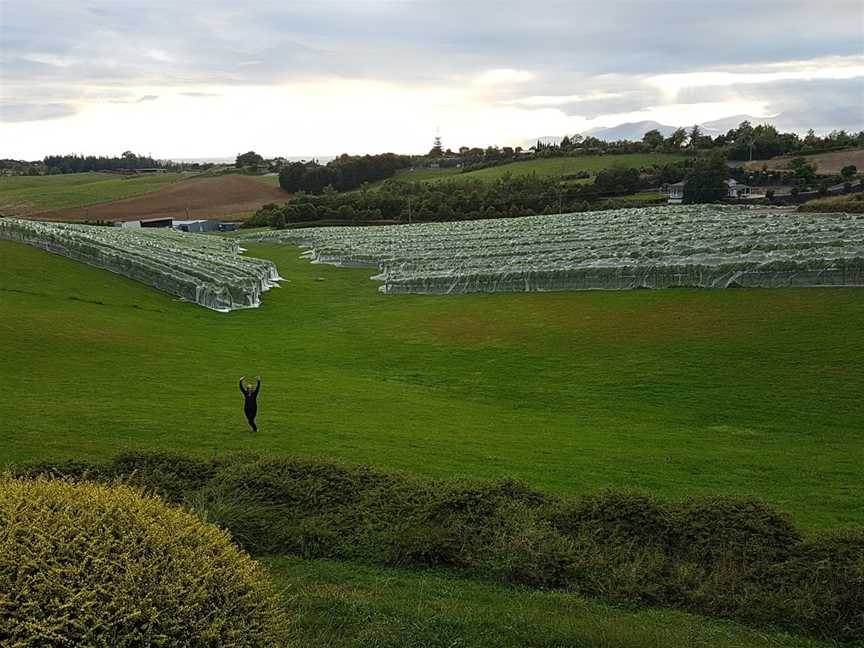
729	557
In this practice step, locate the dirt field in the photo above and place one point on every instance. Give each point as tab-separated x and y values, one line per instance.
827	163
217	197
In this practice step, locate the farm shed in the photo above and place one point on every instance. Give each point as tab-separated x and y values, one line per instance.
148	222
197	226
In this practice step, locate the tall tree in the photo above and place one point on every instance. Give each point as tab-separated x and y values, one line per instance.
695	136
437	150
706	180
653	139
676	140
803	172
249	159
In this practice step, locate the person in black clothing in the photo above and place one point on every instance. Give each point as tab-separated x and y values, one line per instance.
251	405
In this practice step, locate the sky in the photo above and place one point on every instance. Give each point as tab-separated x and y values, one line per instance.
213	79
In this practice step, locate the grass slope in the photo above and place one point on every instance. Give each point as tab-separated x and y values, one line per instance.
554	167
22	195
271	179
677	392
347	605
547	167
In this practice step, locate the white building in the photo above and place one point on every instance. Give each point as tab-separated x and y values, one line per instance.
734	190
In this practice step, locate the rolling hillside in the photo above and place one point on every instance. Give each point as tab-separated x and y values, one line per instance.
203	197
27	195
548	167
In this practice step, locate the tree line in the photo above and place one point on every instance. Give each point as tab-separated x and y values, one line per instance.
343	173
745	142
402	201
83	163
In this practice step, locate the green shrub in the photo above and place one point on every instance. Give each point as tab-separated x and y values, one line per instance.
428	545
167	474
724	556
95	565
715	529
617	518
525	549
822	583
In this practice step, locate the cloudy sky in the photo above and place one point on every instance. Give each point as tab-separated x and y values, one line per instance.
204	79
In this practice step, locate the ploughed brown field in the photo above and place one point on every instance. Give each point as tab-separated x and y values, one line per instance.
217	197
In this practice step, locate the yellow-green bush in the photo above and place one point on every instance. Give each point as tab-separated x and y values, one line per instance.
93	565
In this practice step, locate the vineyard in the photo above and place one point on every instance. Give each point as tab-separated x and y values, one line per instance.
205	270
702	246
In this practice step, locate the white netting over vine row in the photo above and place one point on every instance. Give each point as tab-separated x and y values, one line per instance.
206	270
705	246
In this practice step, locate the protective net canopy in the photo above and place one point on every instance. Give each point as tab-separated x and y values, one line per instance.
703	246
206	270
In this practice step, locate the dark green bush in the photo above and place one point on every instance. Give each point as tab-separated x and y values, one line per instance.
730	528
822	583
617	518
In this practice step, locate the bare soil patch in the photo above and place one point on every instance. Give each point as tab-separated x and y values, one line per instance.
216	197
826	163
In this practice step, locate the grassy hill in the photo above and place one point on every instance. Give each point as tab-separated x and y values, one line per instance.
677	392
547	167
22	195
269	179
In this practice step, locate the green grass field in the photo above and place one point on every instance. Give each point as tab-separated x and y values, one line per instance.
21	195
423	175
675	392
345	605
272	180
562	166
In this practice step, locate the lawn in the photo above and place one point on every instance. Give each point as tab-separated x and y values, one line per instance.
346	605
423	175
271	179
21	195
563	166
545	167
676	392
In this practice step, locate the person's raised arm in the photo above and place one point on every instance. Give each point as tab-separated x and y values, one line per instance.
258	385
242	390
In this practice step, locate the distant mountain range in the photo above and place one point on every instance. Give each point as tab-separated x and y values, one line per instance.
635	130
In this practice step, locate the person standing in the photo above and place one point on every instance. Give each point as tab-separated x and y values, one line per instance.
250	407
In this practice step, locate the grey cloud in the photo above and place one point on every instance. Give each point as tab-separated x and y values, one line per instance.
22	112
200	95
569	46
147	98
628	102
800	104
